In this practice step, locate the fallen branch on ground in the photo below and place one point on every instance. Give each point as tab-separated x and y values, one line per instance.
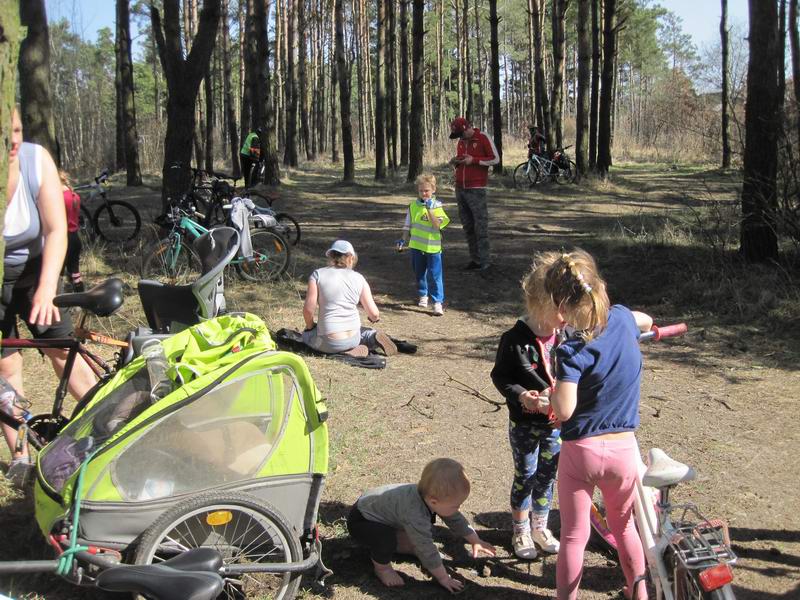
472	391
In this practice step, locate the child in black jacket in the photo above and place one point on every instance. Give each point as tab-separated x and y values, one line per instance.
523	374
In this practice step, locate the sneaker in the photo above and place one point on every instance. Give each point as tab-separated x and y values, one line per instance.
423	302
437	309
523	544
545	540
19	471
472	266
385	343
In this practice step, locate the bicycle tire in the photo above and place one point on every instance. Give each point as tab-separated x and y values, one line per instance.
259	531
171	263
257	174
271	254
522	176
564	175
117	221
291	227
723	593
601	532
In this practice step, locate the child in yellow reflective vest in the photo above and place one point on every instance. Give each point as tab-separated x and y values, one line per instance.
422	233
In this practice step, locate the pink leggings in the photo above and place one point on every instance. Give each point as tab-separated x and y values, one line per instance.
610	465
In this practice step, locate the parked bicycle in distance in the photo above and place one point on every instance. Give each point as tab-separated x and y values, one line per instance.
113	221
539	168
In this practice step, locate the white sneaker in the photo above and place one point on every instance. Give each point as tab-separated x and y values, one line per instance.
523	545
437	309
423	302
545	540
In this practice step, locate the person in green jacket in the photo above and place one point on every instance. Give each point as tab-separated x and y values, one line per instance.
250	153
422	233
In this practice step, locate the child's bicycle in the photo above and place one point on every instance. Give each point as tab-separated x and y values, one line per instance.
689	558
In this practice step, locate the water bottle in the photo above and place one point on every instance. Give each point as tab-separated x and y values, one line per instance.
157	365
9	402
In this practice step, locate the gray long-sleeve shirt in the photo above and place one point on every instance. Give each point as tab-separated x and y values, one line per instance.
401	506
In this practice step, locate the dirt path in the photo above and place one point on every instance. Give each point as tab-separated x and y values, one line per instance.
720	400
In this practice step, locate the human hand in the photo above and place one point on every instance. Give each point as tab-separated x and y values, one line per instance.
310	327
43	311
456	160
451	585
530	401
467	160
481	546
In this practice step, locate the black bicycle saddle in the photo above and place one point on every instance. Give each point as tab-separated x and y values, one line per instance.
163	582
103	299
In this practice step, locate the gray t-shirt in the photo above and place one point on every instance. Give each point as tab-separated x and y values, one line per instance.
22	229
339	291
401	506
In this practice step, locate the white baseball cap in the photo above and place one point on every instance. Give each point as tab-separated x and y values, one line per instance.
341	247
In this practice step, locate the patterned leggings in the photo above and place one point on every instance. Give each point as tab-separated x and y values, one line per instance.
535	448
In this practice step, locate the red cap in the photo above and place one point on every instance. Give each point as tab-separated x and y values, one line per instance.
457	127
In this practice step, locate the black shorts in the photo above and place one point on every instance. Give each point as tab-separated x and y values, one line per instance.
17	300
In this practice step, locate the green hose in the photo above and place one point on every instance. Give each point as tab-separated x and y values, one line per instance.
65	560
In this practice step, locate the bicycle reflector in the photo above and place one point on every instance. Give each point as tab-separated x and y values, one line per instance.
715	577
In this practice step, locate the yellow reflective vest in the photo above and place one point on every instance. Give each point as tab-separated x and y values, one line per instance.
423	235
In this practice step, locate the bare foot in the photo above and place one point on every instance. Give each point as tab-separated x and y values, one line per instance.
388	576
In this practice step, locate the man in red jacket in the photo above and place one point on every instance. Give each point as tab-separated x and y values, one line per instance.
475	153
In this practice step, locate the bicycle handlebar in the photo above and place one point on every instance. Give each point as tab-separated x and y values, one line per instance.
658	333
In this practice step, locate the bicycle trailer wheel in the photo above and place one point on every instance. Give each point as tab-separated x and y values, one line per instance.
245	530
270	258
291	228
117	222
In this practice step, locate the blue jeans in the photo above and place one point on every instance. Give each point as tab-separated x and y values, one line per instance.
428	271
535	448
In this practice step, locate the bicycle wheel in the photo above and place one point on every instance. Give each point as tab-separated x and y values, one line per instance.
85	225
567	174
601	532
257	174
244	529
290	228
215	214
172	262
270	258
522	176
117	221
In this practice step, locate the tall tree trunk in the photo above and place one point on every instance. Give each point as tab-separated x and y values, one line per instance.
442	96
126	101
230	111
301	75
9	48
794	42
480	116
361	92
723	38
404	83
334	89
183	77
532	106
390	51
245	9
605	125
467	64
343	73
559	50
497	115
262	103
380	93
416	134
542	104
584	74
594	100
290	151
759	240
36	103
209	114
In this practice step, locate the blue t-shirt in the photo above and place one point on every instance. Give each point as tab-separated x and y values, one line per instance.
608	371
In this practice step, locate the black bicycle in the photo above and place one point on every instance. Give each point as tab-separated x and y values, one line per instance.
113	221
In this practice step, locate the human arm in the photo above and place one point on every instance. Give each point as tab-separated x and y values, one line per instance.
514	373
368	303
52	214
479	545
310	305
488	154
564	400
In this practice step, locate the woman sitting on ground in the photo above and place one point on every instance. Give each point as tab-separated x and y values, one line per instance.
338	290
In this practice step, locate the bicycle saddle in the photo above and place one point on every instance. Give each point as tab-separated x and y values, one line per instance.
664	471
167	580
102	300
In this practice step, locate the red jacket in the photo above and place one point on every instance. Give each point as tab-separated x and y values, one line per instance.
481	148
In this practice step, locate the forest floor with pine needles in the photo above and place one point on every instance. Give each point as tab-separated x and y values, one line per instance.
722	398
